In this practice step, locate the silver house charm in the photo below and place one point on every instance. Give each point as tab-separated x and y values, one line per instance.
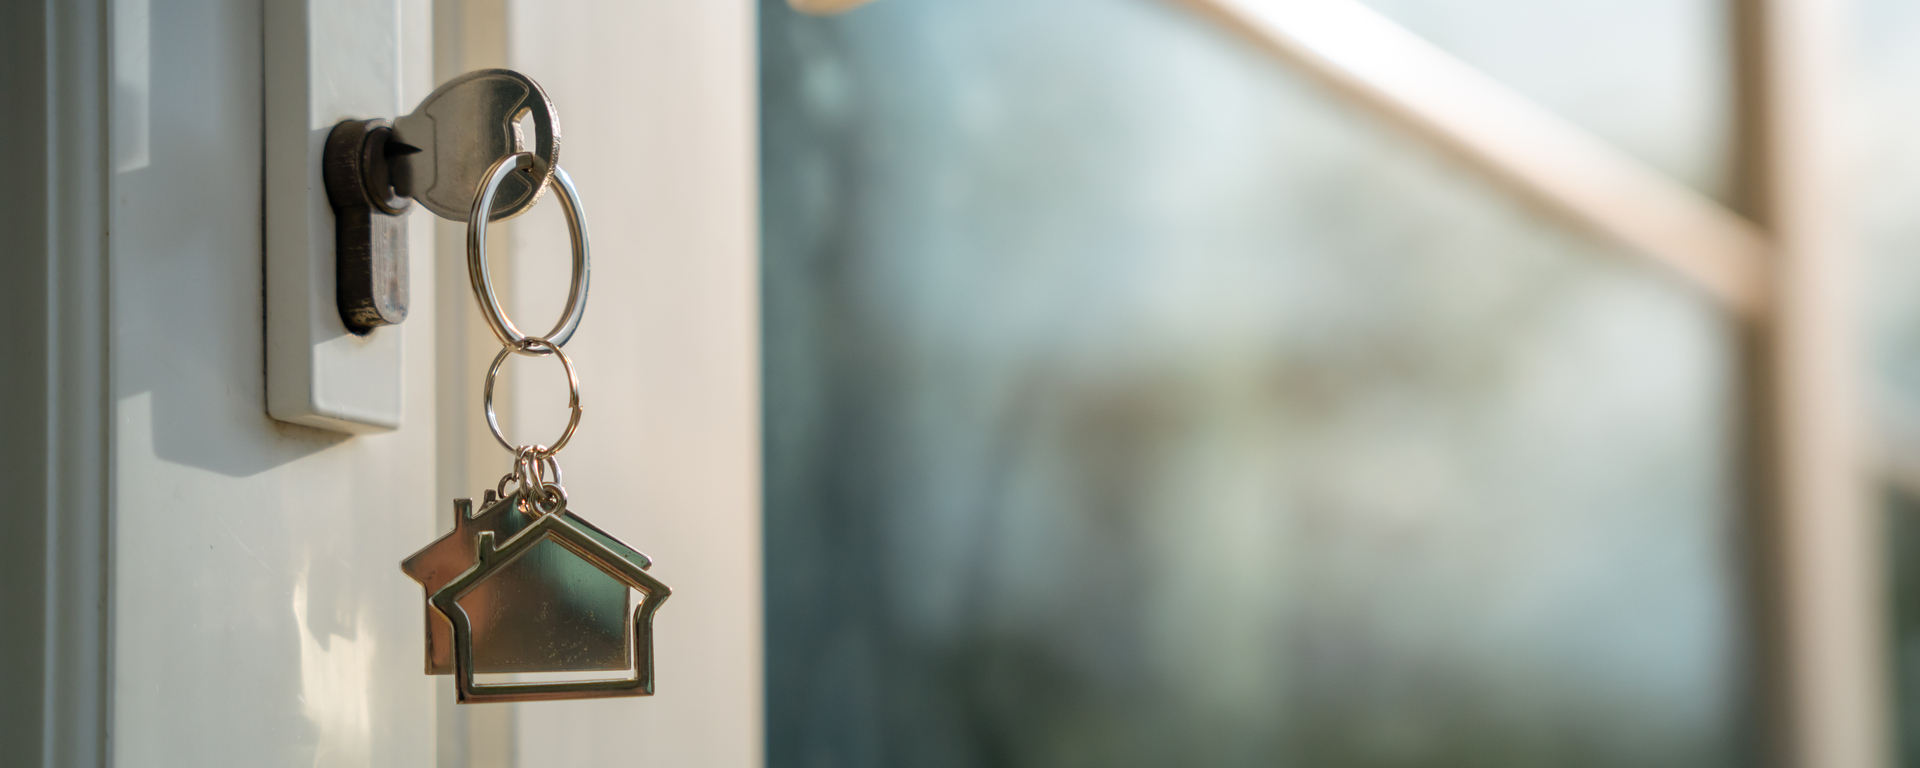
536	611
551	611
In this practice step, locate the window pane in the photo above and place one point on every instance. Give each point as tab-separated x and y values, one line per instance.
1887	175
1133	402
1652	77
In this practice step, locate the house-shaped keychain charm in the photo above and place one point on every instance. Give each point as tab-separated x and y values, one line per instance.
510	591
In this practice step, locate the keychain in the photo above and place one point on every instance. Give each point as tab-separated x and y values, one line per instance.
525	584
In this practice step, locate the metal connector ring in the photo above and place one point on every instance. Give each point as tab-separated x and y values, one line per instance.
482	282
573	396
550	500
547	464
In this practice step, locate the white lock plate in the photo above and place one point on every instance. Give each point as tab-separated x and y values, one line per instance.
326	61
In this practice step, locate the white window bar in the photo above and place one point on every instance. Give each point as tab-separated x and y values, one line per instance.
1369	59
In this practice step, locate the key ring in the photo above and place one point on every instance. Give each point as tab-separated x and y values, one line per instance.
573	394
542	468
503	328
526	467
552	499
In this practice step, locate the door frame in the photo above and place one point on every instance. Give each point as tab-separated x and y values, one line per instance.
54	431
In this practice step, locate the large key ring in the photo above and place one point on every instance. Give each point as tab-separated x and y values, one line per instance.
573	393
503	328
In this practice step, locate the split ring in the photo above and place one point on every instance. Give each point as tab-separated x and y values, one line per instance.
573	394
517	475
526	470
503	328
554	498
533	468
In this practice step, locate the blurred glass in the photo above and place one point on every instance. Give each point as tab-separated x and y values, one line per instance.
1887	175
1903	537
1652	77
1131	401
1887	219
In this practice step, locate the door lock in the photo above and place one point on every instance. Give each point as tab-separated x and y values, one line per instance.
437	156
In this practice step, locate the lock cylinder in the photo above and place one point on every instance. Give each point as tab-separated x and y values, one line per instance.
370	225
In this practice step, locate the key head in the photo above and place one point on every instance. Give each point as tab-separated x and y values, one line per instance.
461	129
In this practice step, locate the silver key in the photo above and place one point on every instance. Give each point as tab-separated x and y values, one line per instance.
461	129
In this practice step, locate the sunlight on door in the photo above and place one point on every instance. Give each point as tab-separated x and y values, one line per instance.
335	685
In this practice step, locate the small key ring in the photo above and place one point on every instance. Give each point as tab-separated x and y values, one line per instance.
526	471
573	397
546	466
549	492
530	471
482	282
532	468
549	463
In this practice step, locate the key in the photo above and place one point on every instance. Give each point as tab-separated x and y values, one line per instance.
461	129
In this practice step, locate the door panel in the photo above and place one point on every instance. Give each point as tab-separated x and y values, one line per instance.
259	617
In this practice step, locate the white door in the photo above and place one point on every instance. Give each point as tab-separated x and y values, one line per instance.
203	585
